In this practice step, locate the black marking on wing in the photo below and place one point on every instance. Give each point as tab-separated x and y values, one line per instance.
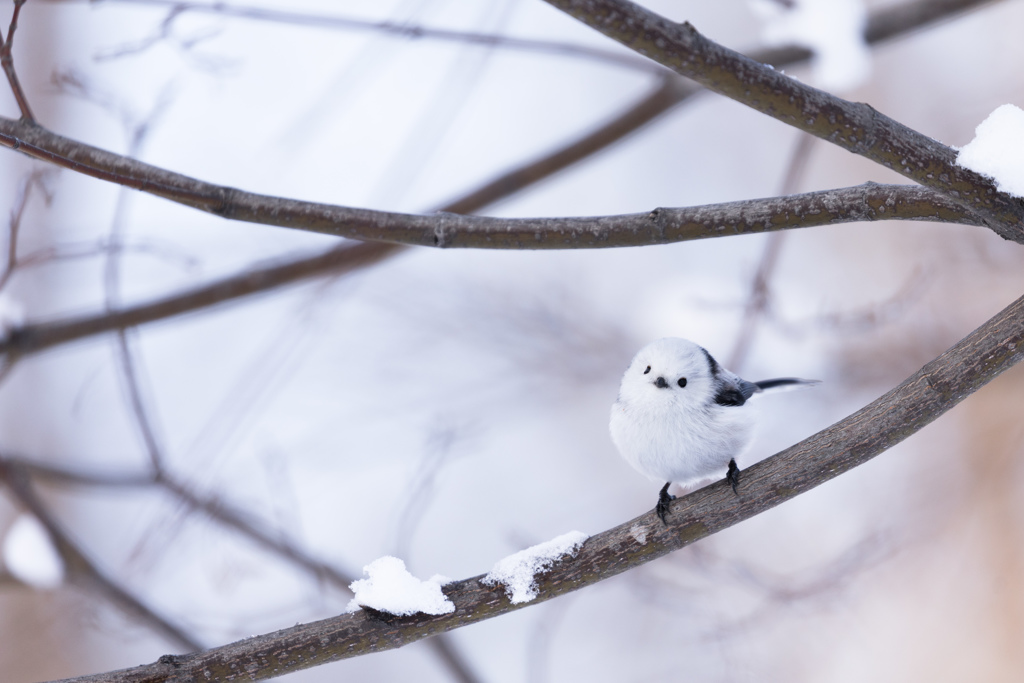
730	394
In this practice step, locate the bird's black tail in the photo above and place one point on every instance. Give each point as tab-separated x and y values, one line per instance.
784	383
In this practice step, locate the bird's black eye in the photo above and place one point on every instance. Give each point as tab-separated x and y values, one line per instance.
681	382
647	370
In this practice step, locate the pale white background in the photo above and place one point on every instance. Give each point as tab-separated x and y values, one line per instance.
451	408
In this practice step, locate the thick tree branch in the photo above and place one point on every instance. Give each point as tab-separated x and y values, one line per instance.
868	202
855	127
938	386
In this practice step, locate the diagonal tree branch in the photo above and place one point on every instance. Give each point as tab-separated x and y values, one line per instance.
856	127
941	384
347	257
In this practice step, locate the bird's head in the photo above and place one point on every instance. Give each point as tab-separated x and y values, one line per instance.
669	372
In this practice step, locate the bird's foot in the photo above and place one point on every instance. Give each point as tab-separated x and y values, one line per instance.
733	476
664	500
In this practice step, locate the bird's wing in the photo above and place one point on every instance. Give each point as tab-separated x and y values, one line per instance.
731	390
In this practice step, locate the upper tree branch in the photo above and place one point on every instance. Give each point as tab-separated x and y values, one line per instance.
856	127
361	224
938	386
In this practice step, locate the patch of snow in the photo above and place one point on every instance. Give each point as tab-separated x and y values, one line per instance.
12	314
389	587
30	556
997	150
516	572
639	533
832	29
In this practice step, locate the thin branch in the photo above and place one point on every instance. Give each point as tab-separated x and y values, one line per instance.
758	300
855	127
7	62
66	476
670	91
217	509
81	570
235	519
21	200
230	517
396	29
937	387
341	259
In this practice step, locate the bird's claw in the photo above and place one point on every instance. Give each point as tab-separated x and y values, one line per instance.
733	476
664	500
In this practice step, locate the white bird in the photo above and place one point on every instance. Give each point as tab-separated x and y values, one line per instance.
681	417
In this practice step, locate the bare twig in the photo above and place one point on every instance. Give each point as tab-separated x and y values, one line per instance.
82	571
938	386
670	91
758	301
7	62
341	259
405	30
855	127
21	200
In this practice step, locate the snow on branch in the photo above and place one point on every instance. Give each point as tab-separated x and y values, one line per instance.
997	150
518	572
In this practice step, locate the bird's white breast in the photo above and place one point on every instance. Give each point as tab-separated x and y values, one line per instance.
668	444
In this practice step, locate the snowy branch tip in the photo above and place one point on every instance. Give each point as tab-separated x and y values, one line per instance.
389	587
517	572
997	150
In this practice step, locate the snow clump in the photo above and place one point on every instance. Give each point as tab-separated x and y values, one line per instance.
389	587
997	150
832	29
29	554
516	572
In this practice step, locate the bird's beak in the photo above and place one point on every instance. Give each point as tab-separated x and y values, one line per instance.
661	383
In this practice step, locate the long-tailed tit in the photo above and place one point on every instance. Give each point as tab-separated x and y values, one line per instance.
681	417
